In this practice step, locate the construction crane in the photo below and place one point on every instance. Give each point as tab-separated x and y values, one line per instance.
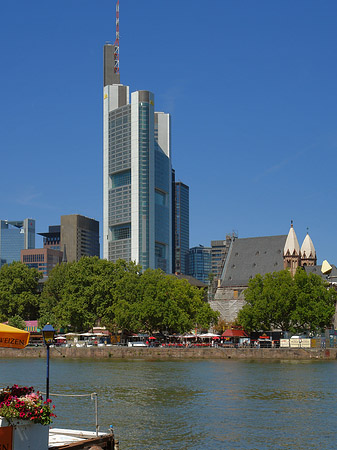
116	51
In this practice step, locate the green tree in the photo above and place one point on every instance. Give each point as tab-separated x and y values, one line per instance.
119	296
17	322
161	302
315	302
280	301
79	294
18	291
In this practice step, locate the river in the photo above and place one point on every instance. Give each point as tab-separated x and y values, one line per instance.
199	405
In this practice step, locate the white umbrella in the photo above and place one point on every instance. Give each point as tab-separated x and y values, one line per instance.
208	335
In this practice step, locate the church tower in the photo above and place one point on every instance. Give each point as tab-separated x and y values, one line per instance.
292	252
308	252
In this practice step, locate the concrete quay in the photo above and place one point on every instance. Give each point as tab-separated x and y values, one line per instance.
162	353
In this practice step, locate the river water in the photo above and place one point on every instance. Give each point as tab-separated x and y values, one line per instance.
184	405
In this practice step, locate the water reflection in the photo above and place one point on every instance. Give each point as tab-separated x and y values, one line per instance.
193	404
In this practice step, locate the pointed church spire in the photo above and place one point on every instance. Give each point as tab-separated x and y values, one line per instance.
291	252
308	249
291	247
308	252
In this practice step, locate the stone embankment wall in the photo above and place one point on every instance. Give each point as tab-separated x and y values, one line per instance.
172	353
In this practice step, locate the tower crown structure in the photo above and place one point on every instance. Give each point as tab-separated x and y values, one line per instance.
292	252
308	249
111	57
308	252
116	51
293	256
291	247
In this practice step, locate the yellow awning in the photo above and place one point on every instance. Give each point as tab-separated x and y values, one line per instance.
13	337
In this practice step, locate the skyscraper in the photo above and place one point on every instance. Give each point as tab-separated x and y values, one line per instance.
14	237
79	237
219	251
181	226
52	238
199	263
137	191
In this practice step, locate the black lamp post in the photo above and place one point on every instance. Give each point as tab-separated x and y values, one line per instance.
48	333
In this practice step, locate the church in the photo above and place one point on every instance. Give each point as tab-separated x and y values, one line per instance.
249	256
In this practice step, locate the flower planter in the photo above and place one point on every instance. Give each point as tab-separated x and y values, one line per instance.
27	435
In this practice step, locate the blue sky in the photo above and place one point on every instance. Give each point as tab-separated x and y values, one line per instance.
250	84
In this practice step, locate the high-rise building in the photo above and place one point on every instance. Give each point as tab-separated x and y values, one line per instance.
173	179
181	227
14	237
199	263
219	252
79	237
52	238
137	191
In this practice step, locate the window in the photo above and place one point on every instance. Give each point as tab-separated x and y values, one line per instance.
160	198
160	250
121	232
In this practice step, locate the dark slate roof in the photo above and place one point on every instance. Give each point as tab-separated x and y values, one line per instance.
249	256
331	277
193	281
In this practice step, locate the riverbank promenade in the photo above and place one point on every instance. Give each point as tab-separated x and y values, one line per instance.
148	353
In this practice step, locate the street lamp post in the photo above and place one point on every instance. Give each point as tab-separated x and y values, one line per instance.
48	333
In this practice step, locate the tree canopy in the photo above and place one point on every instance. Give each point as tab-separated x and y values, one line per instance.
279	301
77	294
164	303
18	291
119	296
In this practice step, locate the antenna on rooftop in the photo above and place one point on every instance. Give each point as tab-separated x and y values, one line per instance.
116	52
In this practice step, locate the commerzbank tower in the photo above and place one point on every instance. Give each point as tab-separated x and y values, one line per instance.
137	172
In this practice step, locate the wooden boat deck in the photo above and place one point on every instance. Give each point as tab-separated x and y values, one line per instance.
62	439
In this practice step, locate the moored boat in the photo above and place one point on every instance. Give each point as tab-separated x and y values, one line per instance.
62	439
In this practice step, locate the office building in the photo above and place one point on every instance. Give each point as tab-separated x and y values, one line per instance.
137	185
14	237
42	259
181	226
199	263
219	252
52	238
79	237
173	255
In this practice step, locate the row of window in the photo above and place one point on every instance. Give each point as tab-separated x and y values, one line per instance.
118	135
33	258
120	121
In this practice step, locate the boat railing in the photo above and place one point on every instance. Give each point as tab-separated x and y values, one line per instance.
92	395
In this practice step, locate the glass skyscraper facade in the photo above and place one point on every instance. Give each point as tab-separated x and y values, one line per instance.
199	263
137	191
181	226
14	237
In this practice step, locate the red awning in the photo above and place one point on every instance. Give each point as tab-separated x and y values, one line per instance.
234	333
